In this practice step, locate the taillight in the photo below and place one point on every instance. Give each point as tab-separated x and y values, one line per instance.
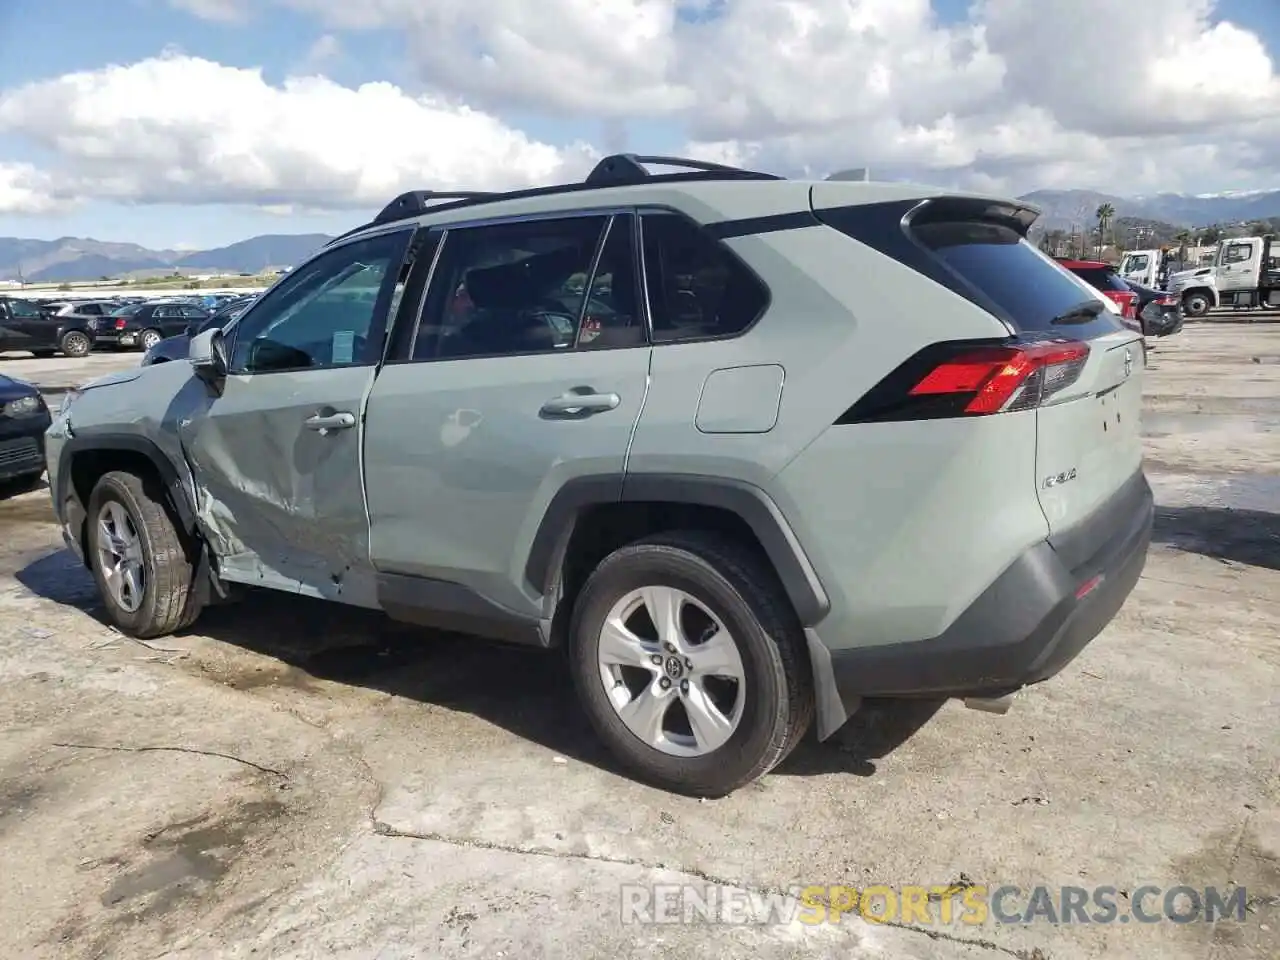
1168	300
120	323
972	380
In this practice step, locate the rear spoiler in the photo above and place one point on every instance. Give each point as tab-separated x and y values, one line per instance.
1014	214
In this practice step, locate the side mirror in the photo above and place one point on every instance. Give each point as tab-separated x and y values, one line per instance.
208	356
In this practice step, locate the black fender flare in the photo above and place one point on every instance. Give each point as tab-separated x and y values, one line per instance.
124	443
747	501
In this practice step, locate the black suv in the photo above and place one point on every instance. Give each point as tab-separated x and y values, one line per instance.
143	325
30	326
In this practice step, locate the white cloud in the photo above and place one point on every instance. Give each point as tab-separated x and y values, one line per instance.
219	11
1023	92
25	189
1139	96
178	129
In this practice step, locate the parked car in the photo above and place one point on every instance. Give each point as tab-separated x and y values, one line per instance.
26	325
143	325
24	418
84	308
175	347
746	469
1103	276
1160	313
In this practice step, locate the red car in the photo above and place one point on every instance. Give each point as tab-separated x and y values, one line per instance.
1103	276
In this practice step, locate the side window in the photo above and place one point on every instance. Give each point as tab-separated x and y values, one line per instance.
193	313
611	315
1239	253
326	313
24	310
508	289
697	288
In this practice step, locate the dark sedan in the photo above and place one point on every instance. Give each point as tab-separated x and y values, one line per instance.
176	348
1160	313
24	418
143	325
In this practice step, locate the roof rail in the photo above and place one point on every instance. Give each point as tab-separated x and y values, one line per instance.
617	170
621	169
417	202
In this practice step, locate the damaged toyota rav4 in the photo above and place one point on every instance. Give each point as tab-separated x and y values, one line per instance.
748	450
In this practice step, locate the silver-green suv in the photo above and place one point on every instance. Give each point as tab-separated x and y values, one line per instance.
749	449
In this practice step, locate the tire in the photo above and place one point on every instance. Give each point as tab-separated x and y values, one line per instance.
1196	304
774	700
168	600
149	339
75	344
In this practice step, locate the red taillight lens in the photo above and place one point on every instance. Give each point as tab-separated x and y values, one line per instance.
120	323
1168	300
959	380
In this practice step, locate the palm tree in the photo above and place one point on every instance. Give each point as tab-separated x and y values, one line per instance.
1105	214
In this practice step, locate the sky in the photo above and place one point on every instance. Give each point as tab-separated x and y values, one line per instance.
195	123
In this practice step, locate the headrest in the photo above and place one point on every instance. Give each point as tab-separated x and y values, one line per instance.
510	286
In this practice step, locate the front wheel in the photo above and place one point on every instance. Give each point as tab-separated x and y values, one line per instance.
1196	304
75	344
690	663
149	339
139	560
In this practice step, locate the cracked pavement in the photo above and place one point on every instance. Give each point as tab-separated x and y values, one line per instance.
295	780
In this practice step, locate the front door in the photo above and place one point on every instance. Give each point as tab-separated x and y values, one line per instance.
31	327
528	368
277	457
1238	268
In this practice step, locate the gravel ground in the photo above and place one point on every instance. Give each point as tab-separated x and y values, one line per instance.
295	780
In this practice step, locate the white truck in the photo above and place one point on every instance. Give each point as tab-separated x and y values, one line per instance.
1143	266
1245	273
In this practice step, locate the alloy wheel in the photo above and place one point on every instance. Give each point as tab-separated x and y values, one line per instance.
672	671
120	556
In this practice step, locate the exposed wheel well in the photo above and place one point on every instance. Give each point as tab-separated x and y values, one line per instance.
603	528
87	467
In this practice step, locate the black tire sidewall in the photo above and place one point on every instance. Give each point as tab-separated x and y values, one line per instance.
765	683
111	489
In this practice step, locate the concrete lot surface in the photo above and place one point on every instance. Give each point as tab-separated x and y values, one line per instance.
296	780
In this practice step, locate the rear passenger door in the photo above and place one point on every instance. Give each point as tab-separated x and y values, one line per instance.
527	369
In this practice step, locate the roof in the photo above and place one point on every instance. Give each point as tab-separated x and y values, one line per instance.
1084	264
623	180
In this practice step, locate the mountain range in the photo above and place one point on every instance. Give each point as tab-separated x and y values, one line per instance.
75	258
1064	208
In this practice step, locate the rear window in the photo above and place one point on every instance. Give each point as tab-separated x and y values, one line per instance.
1100	278
1028	287
128	311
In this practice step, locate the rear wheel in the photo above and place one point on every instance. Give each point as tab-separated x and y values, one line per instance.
75	344
690	663
149	339
1196	304
139	560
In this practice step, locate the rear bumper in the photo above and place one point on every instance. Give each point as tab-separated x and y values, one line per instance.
1029	624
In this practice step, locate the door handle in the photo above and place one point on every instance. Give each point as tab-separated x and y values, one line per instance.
580	402
324	422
